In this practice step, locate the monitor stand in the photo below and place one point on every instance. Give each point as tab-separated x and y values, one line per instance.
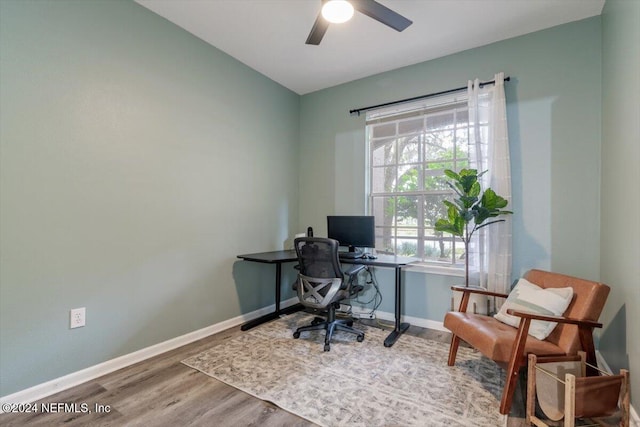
352	254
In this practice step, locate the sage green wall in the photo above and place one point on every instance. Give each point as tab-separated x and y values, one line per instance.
137	161
554	118
620	244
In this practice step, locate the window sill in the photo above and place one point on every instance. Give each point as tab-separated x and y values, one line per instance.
423	267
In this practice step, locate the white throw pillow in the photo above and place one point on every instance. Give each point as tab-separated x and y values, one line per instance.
526	296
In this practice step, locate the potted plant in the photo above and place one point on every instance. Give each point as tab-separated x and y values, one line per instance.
471	210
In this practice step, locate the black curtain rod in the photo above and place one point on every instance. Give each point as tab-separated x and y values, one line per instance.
415	98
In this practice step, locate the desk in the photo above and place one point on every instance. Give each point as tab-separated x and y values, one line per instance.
279	257
396	262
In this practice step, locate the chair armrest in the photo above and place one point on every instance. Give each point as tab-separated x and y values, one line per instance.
351	282
477	290
585	333
468	290
352	271
558	319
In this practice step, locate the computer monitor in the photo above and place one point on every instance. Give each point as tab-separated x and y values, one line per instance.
352	231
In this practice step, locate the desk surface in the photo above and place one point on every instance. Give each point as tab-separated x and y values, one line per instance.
290	256
381	261
271	257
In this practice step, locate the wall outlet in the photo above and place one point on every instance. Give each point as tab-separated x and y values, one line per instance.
77	317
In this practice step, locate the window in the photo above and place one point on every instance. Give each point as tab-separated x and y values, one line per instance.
410	146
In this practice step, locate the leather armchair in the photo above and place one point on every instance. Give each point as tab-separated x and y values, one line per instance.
509	346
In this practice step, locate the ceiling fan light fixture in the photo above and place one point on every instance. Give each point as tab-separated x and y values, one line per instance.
337	11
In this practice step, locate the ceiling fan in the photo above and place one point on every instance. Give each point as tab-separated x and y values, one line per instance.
371	8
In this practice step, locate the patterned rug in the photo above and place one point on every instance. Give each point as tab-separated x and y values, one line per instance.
358	384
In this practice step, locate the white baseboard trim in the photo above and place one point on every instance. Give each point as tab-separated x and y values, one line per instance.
416	321
48	388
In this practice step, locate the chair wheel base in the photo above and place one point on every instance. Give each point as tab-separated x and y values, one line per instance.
296	335
360	338
327	347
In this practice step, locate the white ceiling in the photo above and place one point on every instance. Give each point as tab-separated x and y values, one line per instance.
269	35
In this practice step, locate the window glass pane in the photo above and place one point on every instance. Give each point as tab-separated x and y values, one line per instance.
384	129
438	167
407	247
462	164
385	240
440	121
407	178
462	116
462	137
407	232
458	253
411	125
434	208
435	182
383	152
383	208
439	145
383	179
462	144
407	211
438	249
408	150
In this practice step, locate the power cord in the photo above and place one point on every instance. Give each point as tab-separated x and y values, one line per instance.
376	299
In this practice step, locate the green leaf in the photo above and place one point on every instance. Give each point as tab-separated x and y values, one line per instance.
447	227
467	182
481	214
452	213
449	205
469	172
475	189
491	200
467	216
451	174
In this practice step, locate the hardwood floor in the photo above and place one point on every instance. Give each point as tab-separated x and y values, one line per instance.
163	392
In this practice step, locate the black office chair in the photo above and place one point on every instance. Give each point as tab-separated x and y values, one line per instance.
321	285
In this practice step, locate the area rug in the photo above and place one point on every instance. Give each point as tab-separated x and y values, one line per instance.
358	384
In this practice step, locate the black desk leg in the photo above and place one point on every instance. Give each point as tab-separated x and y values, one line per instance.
400	328
278	283
271	316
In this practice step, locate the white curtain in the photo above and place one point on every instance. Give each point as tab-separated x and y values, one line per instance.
490	253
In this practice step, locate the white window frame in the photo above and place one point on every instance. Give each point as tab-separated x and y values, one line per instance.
427	108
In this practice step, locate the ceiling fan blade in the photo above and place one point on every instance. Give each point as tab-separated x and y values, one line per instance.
381	13
317	31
